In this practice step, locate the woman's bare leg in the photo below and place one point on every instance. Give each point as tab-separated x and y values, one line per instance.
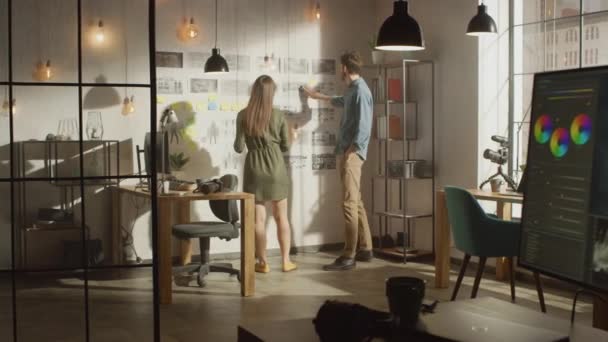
279	211
260	233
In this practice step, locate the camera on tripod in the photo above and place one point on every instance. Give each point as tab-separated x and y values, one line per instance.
500	156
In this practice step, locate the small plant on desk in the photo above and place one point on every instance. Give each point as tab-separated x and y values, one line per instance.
178	161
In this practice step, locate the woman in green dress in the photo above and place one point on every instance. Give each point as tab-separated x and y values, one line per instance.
264	131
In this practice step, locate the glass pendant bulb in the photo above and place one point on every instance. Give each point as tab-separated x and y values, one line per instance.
318	10
5	107
100	35
43	71
192	29
48	71
128	105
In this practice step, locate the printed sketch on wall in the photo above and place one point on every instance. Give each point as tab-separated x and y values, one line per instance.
324	161
169	86
297	66
324	138
166	59
197	60
235	87
295	162
239	63
203	86
325	115
324	66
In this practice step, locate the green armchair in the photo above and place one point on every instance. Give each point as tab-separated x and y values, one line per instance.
485	236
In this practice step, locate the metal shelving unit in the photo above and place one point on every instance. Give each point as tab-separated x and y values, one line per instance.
404	212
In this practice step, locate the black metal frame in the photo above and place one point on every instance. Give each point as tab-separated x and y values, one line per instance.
14	180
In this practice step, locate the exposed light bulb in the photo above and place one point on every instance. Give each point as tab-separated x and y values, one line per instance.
5	107
48	71
128	105
100	35
269	62
192	29
318	10
43	71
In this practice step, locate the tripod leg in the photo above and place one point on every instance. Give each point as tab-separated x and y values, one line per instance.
497	174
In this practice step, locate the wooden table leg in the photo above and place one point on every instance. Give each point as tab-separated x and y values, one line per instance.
442	242
164	251
185	246
116	229
247	247
600	313
503	211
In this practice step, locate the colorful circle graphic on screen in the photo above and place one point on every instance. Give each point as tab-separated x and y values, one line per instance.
580	131
543	129
559	142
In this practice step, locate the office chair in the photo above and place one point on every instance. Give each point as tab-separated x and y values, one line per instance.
225	210
479	234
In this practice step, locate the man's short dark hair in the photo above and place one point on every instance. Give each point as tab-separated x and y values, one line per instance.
352	61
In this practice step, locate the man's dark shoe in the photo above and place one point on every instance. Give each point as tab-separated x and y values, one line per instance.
364	256
341	264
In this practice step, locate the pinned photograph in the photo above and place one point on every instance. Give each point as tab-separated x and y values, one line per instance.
297	66
295	162
325	161
169	86
203	86
166	59
324	66
324	138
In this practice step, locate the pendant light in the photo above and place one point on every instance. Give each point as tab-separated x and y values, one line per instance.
192	29
7	104
216	63
400	32
100	34
43	71
482	23
318	10
128	104
269	62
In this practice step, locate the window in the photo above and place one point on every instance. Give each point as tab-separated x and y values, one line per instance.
538	25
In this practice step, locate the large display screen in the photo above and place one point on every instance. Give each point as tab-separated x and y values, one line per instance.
565	215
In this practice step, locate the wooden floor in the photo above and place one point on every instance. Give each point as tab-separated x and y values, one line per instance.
51	307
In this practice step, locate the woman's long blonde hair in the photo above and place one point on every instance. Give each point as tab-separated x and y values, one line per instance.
259	108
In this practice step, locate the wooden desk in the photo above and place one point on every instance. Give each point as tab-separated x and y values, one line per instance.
452	321
166	205
443	235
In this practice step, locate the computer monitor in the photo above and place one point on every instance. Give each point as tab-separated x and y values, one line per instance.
565	213
160	153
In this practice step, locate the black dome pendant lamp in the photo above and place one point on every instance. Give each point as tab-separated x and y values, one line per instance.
216	63
482	23
400	32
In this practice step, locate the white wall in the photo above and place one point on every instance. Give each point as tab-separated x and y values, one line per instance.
293	32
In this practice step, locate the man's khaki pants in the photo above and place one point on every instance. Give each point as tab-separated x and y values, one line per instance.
355	217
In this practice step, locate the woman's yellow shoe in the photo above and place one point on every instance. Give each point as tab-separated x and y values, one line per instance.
262	268
289	267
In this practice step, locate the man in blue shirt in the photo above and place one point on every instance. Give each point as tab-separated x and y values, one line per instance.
351	152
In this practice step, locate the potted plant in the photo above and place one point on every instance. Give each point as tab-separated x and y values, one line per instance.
178	161
377	55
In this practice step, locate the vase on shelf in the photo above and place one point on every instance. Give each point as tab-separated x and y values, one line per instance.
94	126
